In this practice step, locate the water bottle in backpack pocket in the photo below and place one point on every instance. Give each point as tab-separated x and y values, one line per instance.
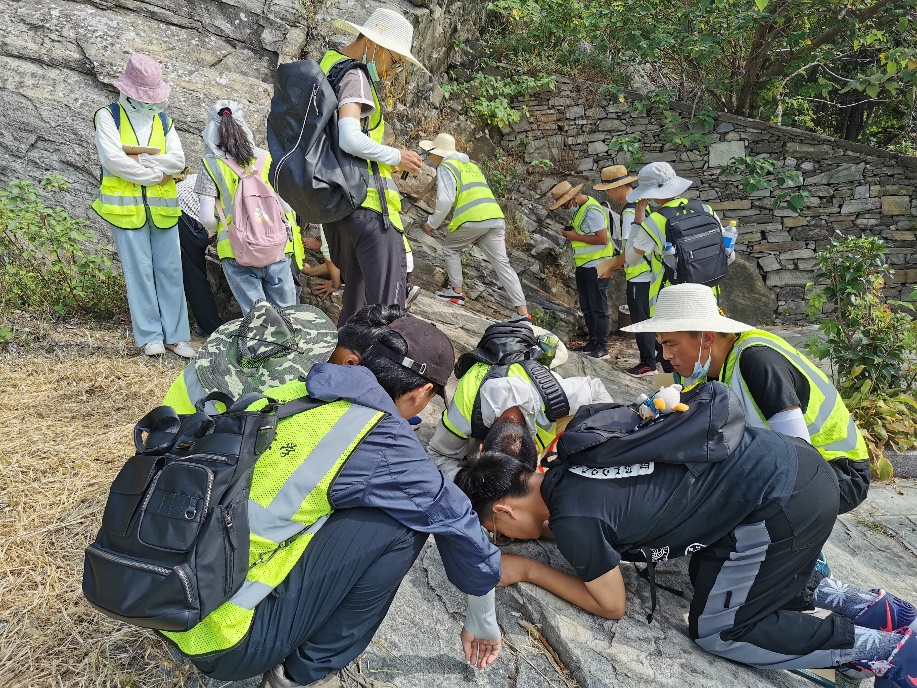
258	233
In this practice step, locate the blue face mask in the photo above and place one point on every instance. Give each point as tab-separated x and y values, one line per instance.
371	66
700	370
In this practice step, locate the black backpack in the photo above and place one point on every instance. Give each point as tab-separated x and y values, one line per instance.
698	240
309	171
174	541
613	441
505	343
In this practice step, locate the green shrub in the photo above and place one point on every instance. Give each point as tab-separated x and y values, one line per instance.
50	262
488	97
870	343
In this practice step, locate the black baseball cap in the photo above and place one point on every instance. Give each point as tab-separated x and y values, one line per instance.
430	353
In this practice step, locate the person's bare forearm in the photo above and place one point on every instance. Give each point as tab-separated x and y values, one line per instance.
567	587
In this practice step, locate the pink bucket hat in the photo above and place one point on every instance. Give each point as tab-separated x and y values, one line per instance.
142	80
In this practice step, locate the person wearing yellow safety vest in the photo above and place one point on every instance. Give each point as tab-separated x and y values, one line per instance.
657	182
353	486
516	393
617	183
137	197
590	239
367	245
227	136
270	347
778	387
476	219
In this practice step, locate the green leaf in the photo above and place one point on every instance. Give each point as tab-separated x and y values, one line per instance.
884	469
761	4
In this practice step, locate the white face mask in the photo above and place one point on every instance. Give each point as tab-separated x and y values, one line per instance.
700	369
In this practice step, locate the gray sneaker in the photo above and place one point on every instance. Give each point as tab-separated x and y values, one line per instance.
456	297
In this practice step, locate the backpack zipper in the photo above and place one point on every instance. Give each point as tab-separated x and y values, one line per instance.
134	563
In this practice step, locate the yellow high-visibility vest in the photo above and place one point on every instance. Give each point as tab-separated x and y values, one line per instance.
125	204
832	430
474	201
582	252
376	133
288	503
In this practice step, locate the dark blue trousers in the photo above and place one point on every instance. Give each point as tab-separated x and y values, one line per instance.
328	608
593	301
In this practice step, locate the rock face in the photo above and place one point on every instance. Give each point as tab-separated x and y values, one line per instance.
59	58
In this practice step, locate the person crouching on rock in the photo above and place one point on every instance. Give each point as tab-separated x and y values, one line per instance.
753	525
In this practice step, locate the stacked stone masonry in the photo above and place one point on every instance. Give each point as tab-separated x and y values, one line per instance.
854	189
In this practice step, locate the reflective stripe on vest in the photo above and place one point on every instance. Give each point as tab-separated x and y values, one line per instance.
227	181
186	391
377	134
832	430
288	504
474	201
124	204
631	271
657	234
457	418
583	252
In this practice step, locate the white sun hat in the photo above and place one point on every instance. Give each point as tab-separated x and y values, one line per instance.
387	28
688	308
442	145
658	180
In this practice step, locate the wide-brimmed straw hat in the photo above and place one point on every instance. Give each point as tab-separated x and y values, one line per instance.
658	180
443	144
687	308
142	80
267	348
563	192
387	28
613	176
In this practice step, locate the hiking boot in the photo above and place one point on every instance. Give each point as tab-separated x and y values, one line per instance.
888	613
900	669
345	678
154	348
598	352
183	349
413	293
450	294
641	370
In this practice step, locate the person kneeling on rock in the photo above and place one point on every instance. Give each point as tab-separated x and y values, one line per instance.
340	507
753	524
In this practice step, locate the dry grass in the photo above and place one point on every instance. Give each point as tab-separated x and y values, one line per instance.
66	414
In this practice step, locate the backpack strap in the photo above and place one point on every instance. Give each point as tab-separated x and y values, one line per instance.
115	110
556	404
161	427
676	502
166	122
478	429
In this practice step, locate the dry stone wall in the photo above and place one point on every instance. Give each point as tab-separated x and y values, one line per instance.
854	188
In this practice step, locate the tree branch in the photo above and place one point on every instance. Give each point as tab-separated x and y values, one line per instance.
827	35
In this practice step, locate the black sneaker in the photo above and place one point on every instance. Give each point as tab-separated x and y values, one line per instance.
641	370
597	353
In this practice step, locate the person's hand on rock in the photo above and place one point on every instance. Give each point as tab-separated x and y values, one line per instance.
480	652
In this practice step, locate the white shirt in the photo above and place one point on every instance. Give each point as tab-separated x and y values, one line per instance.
151	168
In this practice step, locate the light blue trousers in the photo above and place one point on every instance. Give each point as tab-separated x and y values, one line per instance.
151	259
273	283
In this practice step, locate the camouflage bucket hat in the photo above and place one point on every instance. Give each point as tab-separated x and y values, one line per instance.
265	349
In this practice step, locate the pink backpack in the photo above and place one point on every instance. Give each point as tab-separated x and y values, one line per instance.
258	234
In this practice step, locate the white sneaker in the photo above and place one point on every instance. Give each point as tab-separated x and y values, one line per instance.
183	349
413	293
154	348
